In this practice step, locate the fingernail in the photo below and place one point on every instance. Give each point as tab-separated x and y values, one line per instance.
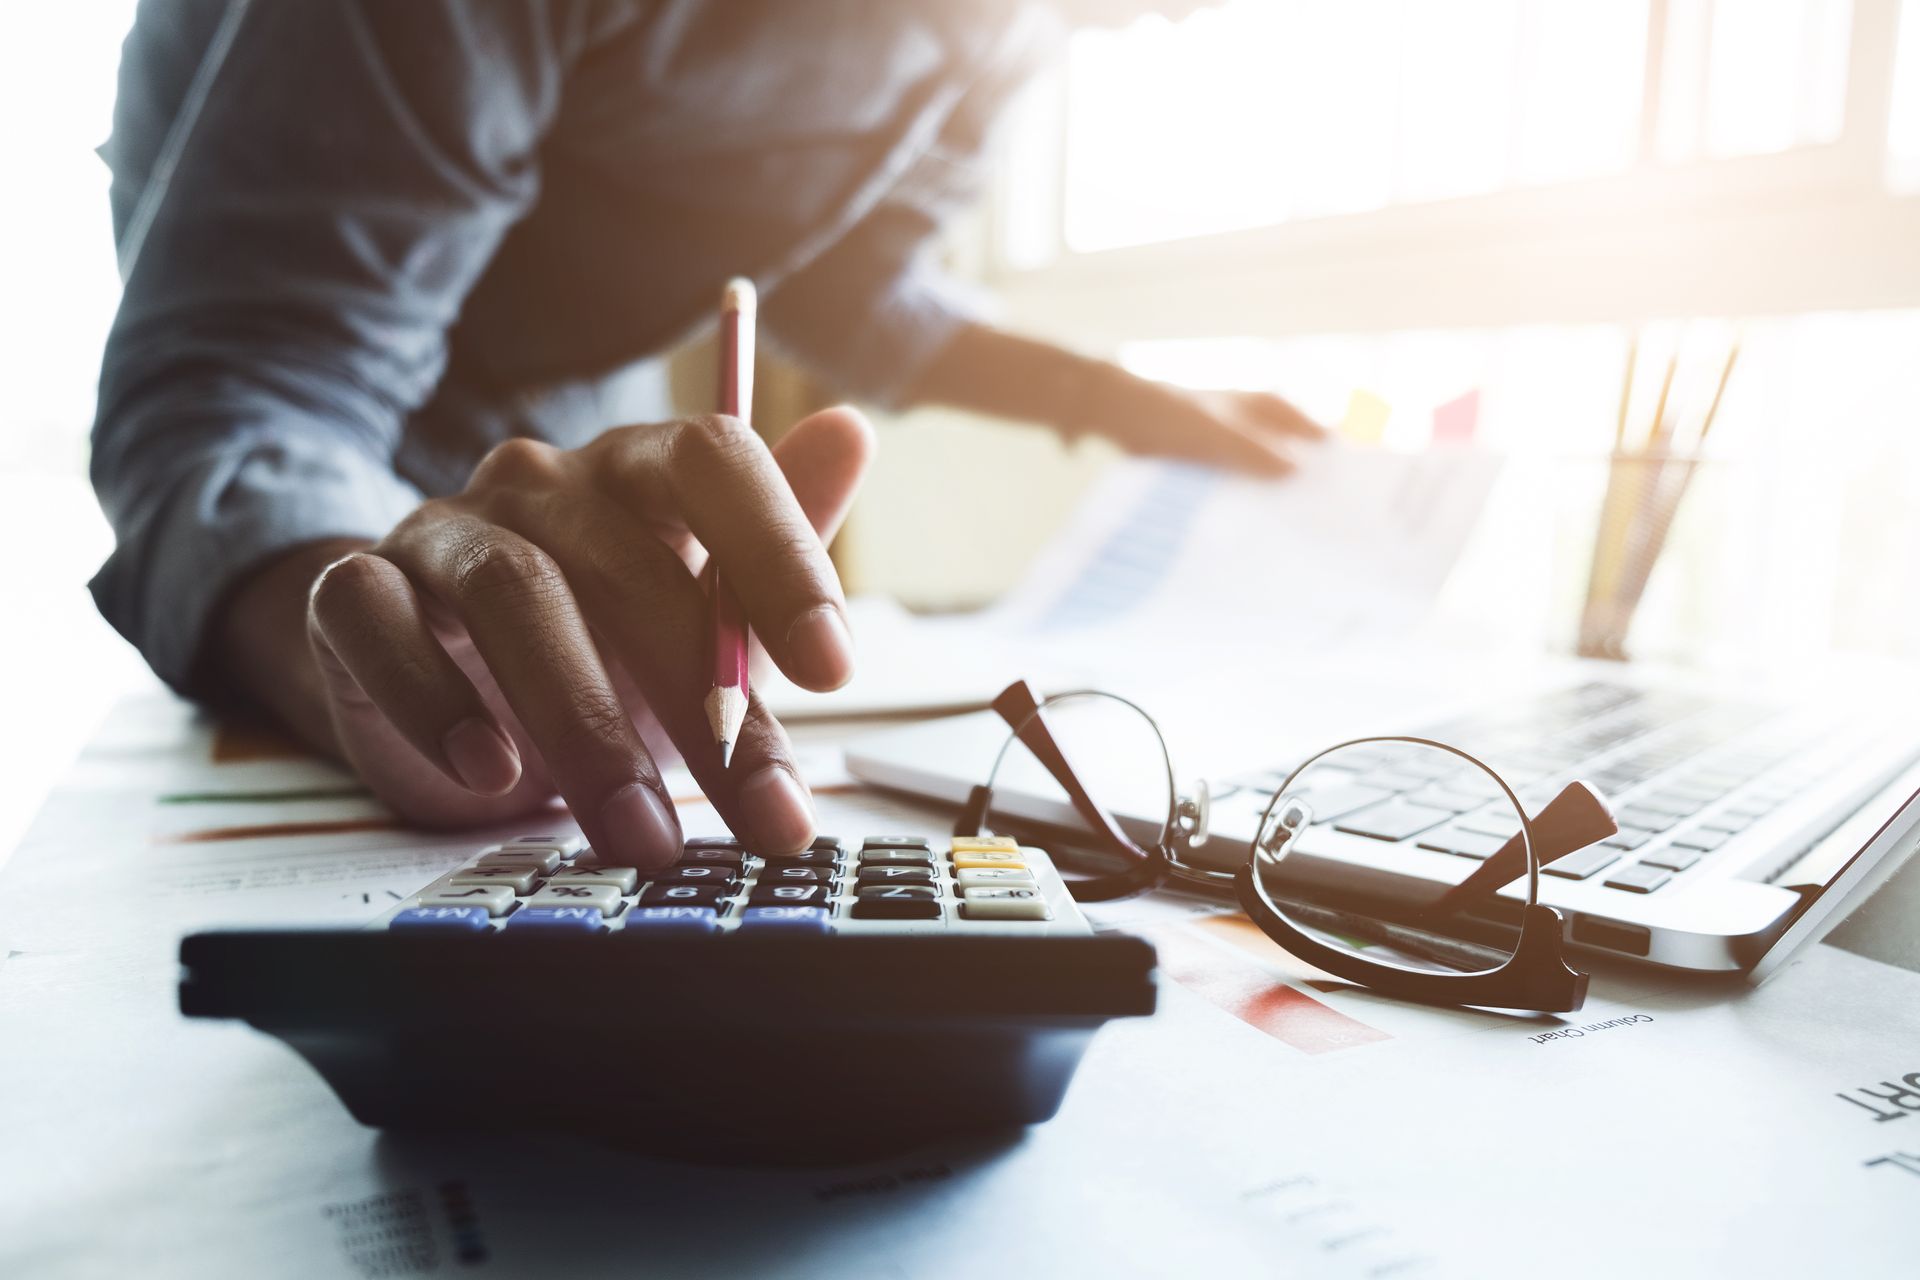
642	828
485	760
778	810
821	648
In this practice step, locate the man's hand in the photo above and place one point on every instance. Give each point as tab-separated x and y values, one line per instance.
543	631
989	371
1252	431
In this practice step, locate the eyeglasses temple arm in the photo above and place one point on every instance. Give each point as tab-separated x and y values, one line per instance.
1571	821
1020	708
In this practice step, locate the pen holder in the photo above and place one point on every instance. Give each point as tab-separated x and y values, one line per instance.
1643	495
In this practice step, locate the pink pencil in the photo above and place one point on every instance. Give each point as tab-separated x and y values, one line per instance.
727	702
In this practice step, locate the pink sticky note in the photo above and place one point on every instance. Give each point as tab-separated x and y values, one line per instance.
1455	421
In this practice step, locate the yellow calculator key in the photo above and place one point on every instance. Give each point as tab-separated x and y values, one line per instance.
982	844
987	858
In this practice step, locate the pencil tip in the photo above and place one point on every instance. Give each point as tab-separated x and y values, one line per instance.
726	754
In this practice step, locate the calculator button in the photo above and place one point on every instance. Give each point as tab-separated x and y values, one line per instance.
828	844
500	856
1004	904
621	878
693	875
697	843
520	879
557	920
987	858
604	896
985	844
895	875
658	920
987	876
450	919
897	902
496	898
698	895
732	858
806	857
784	874
794	919
565	846
792	895
895	858
872	843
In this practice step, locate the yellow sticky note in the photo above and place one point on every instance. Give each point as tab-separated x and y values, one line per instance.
1366	420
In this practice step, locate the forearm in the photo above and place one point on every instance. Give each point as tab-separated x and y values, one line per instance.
987	370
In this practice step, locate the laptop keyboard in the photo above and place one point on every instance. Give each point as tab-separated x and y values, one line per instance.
1684	774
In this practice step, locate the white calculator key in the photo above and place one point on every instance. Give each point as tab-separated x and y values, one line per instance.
496	898
604	896
518	877
622	878
986	877
565	846
1004	904
499	855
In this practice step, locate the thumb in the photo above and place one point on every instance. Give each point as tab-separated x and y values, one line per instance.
825	457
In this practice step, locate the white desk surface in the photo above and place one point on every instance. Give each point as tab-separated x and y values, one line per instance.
1684	1130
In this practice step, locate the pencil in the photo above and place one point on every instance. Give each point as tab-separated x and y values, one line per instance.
727	700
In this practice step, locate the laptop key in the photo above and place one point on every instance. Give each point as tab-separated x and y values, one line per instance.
1704	840
1628	838
1463	844
1673	858
1392	820
1496	820
1638	878
1646	819
1337	801
1580	865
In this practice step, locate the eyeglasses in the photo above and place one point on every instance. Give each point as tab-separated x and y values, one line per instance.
1399	863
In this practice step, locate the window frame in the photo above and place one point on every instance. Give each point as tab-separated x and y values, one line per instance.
1661	239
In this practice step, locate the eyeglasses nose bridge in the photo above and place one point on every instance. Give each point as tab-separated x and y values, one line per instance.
1193	814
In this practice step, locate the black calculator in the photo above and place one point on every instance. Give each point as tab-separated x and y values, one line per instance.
847	1001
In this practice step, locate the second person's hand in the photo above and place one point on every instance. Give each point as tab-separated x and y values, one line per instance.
544	630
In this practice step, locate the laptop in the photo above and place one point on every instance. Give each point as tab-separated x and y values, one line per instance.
1746	826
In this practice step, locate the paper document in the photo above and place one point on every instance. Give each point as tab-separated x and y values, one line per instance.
1351	549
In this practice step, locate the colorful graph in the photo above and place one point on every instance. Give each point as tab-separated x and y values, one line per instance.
1227	961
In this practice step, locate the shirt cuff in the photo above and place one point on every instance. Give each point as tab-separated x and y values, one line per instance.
186	541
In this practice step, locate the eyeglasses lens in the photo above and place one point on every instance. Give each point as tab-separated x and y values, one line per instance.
1358	848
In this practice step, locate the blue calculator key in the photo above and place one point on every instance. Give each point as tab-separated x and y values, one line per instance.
793	919
658	920
576	919
465	919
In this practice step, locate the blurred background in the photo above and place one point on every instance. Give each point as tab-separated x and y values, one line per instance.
1376	207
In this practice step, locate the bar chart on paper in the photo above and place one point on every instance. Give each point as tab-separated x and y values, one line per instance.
1220	957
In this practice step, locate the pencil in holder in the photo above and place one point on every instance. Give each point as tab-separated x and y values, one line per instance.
1644	491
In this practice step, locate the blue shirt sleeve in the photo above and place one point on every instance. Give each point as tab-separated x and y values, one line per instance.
307	227
874	308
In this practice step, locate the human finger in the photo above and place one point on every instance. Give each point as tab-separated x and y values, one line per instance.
514	601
